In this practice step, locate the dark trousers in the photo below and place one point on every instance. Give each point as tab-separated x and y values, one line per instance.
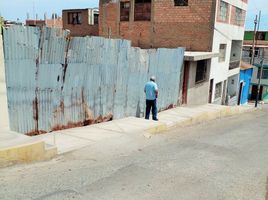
151	104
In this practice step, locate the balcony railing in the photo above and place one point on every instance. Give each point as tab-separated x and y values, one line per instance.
234	64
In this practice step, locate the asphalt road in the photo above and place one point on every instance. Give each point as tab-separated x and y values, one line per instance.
222	159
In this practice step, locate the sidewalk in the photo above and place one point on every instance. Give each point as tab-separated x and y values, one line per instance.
44	146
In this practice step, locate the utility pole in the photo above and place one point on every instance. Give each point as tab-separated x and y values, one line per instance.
256	37
253	61
254	40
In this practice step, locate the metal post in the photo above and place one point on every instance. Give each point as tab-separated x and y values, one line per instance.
259	84
253	43
255	37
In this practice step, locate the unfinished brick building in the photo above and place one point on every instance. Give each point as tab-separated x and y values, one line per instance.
204	27
81	22
160	23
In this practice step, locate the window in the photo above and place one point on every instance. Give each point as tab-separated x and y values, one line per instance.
181	2
264	73
223	14
218	90
96	18
222	52
124	11
260	36
238	16
257	52
142	10
74	18
201	71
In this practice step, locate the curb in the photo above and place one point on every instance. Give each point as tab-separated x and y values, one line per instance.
29	152
199	118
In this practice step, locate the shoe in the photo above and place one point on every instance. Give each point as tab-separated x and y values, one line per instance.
155	119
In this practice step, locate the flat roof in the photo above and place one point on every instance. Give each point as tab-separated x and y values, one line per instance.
199	55
80	9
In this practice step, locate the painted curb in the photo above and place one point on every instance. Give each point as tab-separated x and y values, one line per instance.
28	152
200	118
161	127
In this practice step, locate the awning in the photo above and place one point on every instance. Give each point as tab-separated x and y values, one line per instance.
196	56
264	66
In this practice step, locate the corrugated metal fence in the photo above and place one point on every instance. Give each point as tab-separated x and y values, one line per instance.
56	82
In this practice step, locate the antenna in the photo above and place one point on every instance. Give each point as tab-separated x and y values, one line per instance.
33	10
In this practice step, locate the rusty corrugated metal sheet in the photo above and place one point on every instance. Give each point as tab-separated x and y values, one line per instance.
57	82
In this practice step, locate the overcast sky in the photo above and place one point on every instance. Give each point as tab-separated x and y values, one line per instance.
13	9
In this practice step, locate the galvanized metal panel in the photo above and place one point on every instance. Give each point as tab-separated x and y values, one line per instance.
57	82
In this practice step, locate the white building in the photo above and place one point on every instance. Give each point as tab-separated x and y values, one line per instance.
227	40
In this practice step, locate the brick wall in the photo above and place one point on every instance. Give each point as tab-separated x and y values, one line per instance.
82	29
109	19
54	23
170	26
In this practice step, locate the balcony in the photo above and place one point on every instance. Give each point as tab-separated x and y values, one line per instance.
234	64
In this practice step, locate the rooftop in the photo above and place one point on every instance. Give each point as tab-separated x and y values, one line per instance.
81	9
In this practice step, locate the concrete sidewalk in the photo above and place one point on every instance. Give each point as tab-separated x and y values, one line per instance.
72	139
44	146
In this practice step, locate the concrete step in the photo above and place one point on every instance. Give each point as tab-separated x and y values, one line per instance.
16	147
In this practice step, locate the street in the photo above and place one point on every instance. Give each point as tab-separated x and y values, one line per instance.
222	159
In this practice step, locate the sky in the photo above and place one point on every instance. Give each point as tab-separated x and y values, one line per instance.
18	9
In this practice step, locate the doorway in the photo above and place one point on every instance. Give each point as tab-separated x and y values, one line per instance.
185	82
240	92
254	92
210	90
224	92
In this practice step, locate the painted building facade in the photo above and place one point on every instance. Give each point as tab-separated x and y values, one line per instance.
246	71
261	51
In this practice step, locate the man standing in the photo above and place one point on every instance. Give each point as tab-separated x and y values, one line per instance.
151	91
